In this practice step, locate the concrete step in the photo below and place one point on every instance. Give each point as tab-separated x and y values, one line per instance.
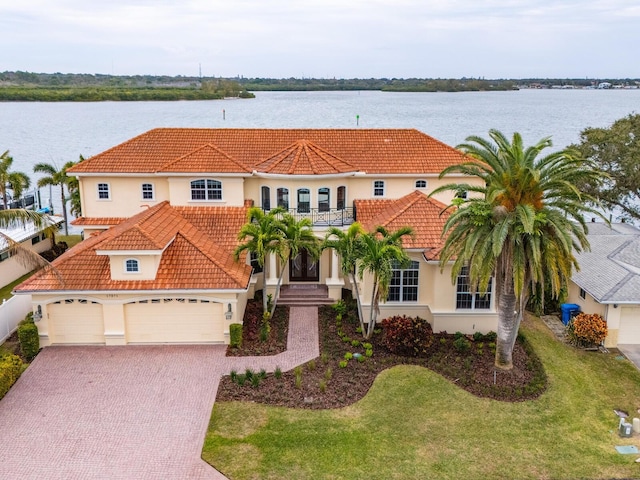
304	301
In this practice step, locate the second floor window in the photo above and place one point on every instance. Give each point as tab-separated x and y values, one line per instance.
266	199
324	199
103	191
304	200
421	184
378	188
132	266
283	198
206	190
147	191
342	198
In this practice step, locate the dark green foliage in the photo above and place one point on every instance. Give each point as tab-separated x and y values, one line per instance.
235	335
462	344
404	335
29	340
10	369
277	373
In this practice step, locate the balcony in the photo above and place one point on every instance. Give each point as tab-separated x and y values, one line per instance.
332	217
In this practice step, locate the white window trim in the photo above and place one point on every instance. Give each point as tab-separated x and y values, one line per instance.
289	207
206	189
153	192
473	307
131	272
108	192
374	188
310	198
401	301
426	184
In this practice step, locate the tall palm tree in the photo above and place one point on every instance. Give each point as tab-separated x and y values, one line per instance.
57	177
346	245
379	252
262	236
16	181
296	235
75	206
520	226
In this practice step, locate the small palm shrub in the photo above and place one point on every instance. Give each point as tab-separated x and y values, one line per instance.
588	329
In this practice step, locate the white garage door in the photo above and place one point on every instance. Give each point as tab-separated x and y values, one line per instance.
174	320
629	325
76	321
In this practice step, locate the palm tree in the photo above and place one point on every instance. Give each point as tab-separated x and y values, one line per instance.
261	236
53	176
296	235
16	181
75	205
520	226
379	252
346	244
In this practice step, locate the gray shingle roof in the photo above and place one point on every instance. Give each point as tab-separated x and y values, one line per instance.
610	272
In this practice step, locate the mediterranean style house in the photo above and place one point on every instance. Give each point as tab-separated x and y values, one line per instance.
161	214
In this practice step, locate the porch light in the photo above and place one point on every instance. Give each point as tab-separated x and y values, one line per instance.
37	315
228	314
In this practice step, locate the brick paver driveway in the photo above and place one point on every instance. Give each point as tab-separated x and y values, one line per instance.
111	412
134	412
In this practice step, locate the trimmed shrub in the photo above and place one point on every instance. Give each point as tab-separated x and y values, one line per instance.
235	335
462	344
588	329
404	335
29	340
10	370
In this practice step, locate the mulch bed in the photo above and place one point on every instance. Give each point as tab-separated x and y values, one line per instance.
324	384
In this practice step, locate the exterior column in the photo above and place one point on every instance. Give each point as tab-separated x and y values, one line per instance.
334	282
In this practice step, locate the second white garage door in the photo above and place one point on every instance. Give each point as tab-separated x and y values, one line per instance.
176	320
629	332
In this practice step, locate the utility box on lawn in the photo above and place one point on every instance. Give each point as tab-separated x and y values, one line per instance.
569	310
625	430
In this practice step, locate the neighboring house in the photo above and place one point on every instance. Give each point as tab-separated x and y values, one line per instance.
29	237
608	282
162	212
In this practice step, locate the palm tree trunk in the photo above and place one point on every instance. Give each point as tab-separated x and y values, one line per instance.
264	289
354	282
509	317
64	209
373	313
277	293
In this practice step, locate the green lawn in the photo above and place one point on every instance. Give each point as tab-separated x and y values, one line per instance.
414	424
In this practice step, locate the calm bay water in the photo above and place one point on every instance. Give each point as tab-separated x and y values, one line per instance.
59	132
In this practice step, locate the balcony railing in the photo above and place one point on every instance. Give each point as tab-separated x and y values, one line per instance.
324	218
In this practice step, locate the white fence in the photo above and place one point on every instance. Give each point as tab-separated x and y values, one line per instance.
12	312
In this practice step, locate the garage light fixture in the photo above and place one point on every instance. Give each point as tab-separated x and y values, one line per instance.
228	313
37	315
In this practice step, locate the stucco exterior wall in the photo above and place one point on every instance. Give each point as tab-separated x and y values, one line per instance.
13	268
232	191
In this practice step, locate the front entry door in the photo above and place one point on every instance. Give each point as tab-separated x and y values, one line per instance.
303	268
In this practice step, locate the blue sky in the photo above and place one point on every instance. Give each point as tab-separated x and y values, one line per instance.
324	38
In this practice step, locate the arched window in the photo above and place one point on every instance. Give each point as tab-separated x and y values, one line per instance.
304	200
421	184
283	198
324	199
266	198
342	198
131	265
206	190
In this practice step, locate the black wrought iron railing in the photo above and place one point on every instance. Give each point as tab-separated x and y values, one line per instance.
323	217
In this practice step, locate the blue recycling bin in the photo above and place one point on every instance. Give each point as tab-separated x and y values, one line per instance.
569	310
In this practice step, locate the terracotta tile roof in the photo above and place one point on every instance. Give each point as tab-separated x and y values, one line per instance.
373	151
207	158
304	158
195	258
222	224
415	210
97	221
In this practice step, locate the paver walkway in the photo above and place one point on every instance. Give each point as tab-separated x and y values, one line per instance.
133	412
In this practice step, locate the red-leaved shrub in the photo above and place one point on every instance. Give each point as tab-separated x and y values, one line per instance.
409	336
